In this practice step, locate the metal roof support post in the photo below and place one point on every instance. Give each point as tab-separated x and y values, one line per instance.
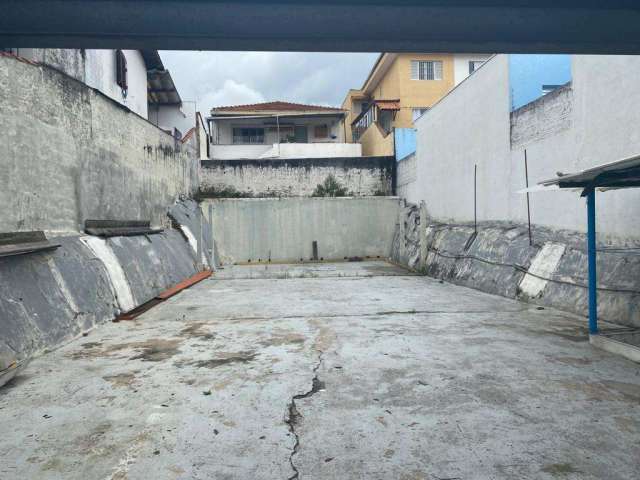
591	249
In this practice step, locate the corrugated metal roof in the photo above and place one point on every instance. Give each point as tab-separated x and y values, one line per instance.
161	89
620	174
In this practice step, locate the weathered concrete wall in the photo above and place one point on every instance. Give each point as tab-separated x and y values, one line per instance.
49	298
544	118
406	248
552	272
361	176
256	230
70	153
500	260
593	121
407	176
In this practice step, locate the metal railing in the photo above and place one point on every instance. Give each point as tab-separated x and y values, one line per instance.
362	122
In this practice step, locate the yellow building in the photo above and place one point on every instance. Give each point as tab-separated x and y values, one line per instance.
400	88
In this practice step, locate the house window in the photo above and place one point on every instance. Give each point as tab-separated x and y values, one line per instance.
426	70
321	131
385	120
416	113
474	65
121	71
248	135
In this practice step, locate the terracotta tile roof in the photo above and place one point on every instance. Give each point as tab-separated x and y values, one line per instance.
188	135
388	104
275	107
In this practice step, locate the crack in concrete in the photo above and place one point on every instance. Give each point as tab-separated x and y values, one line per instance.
294	415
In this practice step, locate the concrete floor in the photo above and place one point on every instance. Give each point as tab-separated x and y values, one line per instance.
350	371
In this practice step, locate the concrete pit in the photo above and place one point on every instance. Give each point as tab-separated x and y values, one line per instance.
325	371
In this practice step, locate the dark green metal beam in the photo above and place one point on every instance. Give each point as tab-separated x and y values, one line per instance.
562	26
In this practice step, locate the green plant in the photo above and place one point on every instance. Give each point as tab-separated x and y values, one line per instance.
330	188
223	192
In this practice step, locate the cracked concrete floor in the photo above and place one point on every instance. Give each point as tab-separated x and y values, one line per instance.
354	371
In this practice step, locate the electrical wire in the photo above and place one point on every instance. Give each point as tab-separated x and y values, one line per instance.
522	269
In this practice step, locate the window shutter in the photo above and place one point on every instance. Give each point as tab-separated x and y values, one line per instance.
121	70
437	70
414	70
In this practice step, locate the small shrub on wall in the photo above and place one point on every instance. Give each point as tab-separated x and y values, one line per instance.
330	188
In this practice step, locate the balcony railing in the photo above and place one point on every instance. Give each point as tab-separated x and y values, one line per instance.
362	122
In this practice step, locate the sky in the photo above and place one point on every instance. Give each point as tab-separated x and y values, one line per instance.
231	78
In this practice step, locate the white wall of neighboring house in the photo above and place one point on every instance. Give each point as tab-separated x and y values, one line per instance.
169	117
591	122
101	74
461	65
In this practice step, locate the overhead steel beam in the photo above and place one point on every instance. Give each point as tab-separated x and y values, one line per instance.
570	26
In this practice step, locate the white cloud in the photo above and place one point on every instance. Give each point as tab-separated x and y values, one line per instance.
231	93
228	78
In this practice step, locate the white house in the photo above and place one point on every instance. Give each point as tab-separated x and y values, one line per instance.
134	78
278	130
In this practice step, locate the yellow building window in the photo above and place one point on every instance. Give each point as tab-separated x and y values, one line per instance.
426	69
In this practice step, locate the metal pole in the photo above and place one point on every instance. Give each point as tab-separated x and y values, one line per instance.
475	198
526	178
278	124
591	249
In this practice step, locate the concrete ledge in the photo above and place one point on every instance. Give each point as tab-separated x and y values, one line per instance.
617	343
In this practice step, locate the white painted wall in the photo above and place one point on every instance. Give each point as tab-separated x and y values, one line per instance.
284	229
461	65
237	152
101	74
469	126
313	150
472	125
168	117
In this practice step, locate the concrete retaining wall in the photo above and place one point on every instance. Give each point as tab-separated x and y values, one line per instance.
256	230
70	153
499	260
49	298
361	176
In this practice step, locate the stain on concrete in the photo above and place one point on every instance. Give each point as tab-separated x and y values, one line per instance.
222	359
121	379
574	361
152	350
559	469
606	390
627	424
197	330
283	338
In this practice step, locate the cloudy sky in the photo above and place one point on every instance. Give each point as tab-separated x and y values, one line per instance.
231	78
